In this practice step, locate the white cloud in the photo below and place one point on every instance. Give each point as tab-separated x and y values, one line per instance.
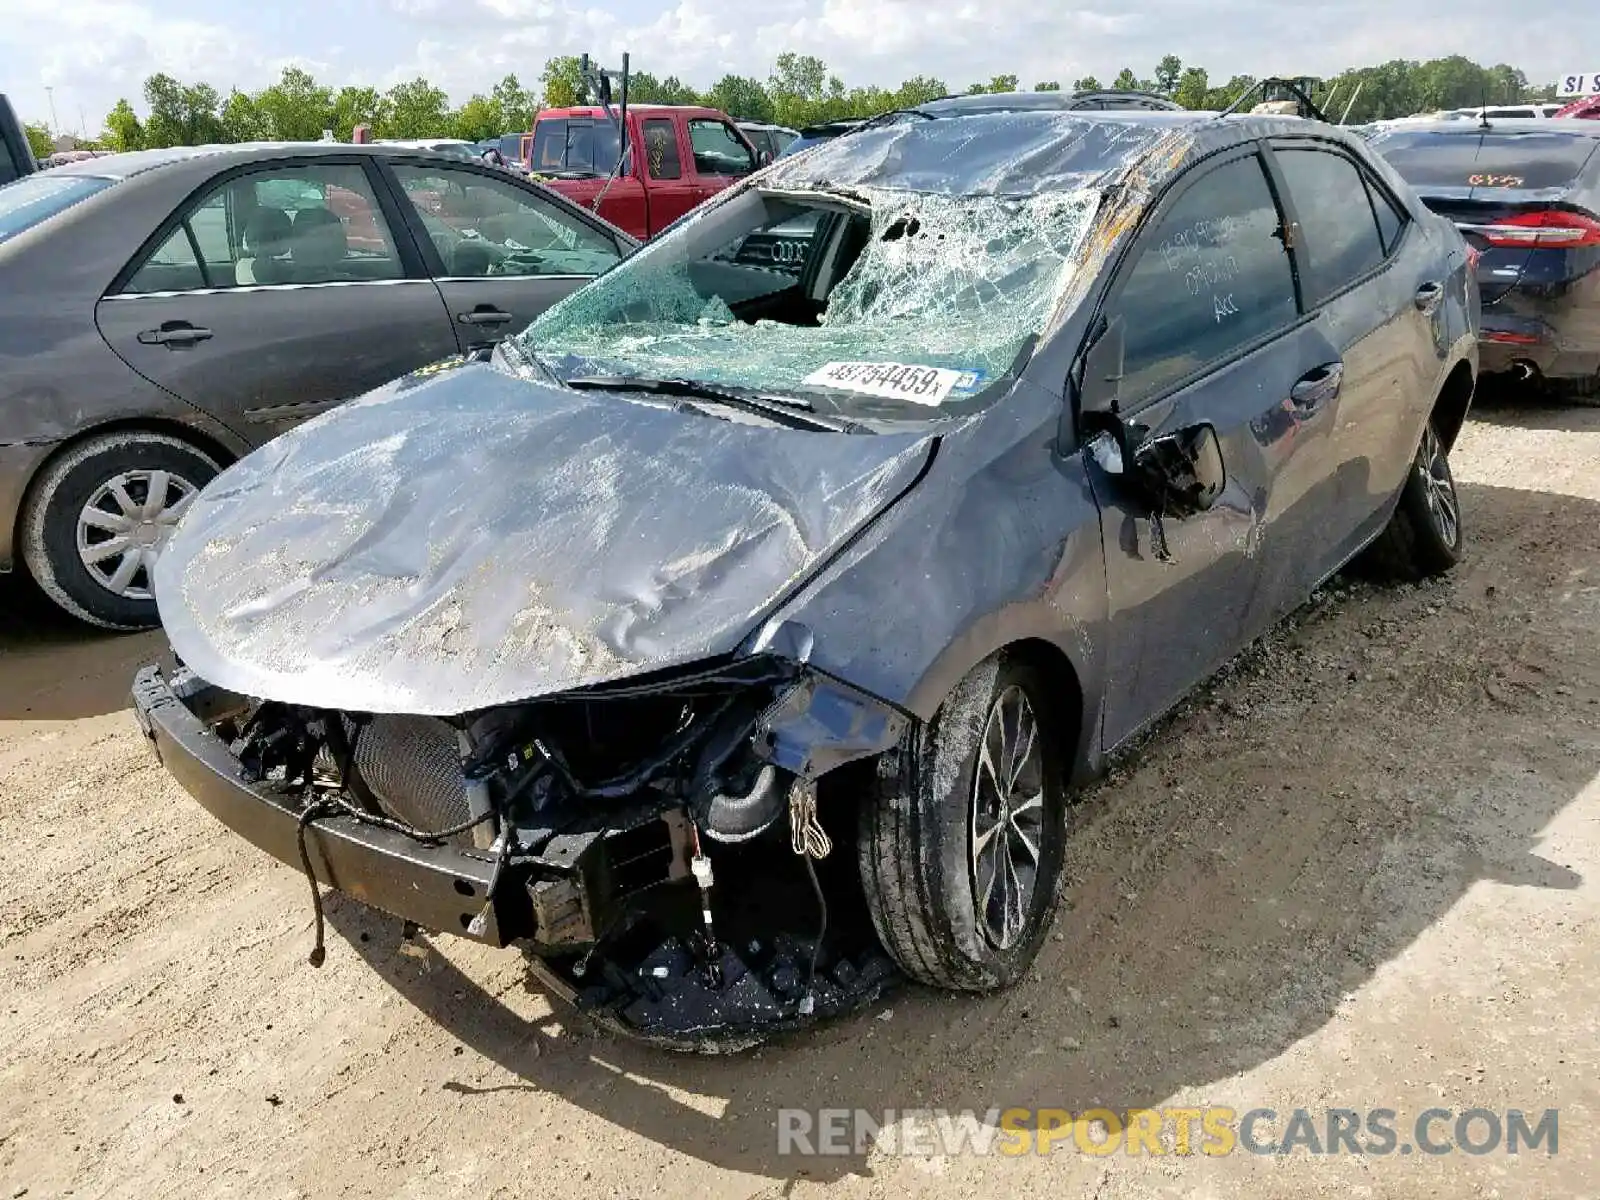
93	51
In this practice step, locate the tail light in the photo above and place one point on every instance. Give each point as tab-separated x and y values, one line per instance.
1548	227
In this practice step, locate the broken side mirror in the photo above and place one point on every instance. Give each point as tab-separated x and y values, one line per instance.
1181	473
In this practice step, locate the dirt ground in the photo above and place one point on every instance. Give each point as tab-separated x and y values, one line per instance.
1359	870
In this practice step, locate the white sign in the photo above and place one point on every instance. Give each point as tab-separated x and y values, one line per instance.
894	381
1579	85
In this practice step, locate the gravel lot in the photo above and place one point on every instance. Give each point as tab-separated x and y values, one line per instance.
1358	871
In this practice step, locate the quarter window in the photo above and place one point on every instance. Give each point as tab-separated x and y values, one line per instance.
1209	279
312	224
718	150
661	150
481	225
1342	242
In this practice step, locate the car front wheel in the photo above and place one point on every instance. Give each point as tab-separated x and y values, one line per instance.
98	517
961	852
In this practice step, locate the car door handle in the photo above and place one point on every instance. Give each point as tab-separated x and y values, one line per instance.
1317	387
484	314
1428	297
174	334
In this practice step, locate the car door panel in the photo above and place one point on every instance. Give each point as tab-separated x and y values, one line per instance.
1209	332
1363	286
1186	593
277	355
667	158
278	293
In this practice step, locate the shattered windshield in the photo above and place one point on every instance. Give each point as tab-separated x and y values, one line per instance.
875	302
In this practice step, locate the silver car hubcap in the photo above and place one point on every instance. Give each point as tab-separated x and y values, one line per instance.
1438	488
125	526
1007	818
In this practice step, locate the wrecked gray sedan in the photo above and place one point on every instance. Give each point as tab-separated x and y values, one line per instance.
734	638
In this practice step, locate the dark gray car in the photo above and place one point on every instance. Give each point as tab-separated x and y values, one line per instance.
164	312
605	643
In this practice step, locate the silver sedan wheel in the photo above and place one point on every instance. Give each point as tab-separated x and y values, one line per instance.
1007	818
125	526
1439	488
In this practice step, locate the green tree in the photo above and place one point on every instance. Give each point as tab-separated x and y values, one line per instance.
297	108
919	90
562	82
740	97
416	109
645	88
1087	84
1169	71
1224	96
40	140
517	105
180	115
123	130
1002	83
1193	88
243	120
799	87
1127	81
357	106
480	118
1050	86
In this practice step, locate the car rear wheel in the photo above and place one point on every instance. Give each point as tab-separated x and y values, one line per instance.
98	517
1424	536
961	853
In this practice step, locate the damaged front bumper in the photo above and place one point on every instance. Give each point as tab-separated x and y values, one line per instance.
435	887
611	888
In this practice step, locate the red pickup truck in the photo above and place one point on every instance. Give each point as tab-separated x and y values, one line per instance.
677	157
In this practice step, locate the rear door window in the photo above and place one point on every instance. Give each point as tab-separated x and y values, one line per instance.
1210	278
302	225
661	149
1342	240
1486	158
574	146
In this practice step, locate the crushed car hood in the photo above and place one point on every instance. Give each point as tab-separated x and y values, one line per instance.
465	539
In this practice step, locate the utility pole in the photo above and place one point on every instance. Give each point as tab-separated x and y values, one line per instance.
50	93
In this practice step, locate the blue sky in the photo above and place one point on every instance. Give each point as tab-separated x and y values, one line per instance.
90	52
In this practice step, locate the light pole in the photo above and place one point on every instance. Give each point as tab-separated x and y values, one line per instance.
50	92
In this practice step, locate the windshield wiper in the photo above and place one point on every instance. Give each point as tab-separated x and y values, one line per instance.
790	411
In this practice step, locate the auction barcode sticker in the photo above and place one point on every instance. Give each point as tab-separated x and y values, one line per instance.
893	381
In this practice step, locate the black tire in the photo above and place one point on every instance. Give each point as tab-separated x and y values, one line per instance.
917	834
60	496
1424	537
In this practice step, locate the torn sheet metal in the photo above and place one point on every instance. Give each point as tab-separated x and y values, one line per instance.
469	539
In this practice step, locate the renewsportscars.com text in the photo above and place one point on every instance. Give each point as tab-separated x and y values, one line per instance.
1212	1131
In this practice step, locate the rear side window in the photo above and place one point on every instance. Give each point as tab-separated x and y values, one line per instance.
1342	242
1485	158
1391	221
1210	278
574	146
661	150
36	198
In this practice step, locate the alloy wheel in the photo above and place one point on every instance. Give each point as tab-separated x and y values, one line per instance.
1007	818
125	526
1439	489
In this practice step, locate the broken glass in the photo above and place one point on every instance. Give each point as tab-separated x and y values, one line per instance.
959	284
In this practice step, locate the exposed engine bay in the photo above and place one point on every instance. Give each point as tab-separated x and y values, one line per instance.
601	813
